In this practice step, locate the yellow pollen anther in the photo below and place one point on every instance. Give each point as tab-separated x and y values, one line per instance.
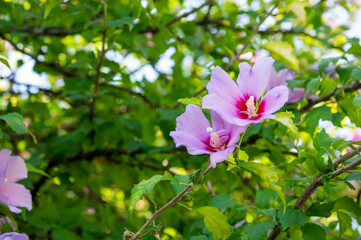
251	108
215	140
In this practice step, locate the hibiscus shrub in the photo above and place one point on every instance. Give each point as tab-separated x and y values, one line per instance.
176	119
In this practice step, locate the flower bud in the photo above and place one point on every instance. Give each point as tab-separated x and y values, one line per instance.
197	176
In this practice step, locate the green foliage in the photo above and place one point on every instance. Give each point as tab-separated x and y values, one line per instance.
216	222
93	175
259	230
16	122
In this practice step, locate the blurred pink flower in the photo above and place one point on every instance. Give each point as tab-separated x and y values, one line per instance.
150	44
280	79
355	135
195	133
12	194
242	103
148	35
14	236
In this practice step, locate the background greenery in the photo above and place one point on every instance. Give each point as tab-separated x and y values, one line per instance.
116	70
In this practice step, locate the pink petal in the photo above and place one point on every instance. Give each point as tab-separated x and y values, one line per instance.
4	158
14	236
18	196
296	95
253	81
193	122
220	156
222	85
16	169
216	103
194	145
273	100
245	122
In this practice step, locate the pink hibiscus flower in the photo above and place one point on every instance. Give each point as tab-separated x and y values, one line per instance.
242	103
13	169
195	133
280	78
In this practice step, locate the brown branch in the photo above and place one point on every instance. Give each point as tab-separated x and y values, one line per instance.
166	206
349	88
318	182
55	66
100	64
53	31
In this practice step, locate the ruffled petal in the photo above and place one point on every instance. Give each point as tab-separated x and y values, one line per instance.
253	81
18	196
194	145
222	85
235	133
223	108
14	236
16	169
4	158
273	100
193	122
220	156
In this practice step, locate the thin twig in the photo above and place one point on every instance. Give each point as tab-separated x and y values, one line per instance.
166	206
100	64
318	182
349	88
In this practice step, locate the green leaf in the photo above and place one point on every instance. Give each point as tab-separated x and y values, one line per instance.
312	231
259	231
320	210
314	116
285	119
187	101
222	201
16	122
49	6
356	74
322	141
264	197
357	102
291	217
266	173
353	176
180	185
344	220
284	52
348	205
33	169
298	8
121	22
216	222
144	187
4	61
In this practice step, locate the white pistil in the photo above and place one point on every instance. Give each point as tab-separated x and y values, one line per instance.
251	108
